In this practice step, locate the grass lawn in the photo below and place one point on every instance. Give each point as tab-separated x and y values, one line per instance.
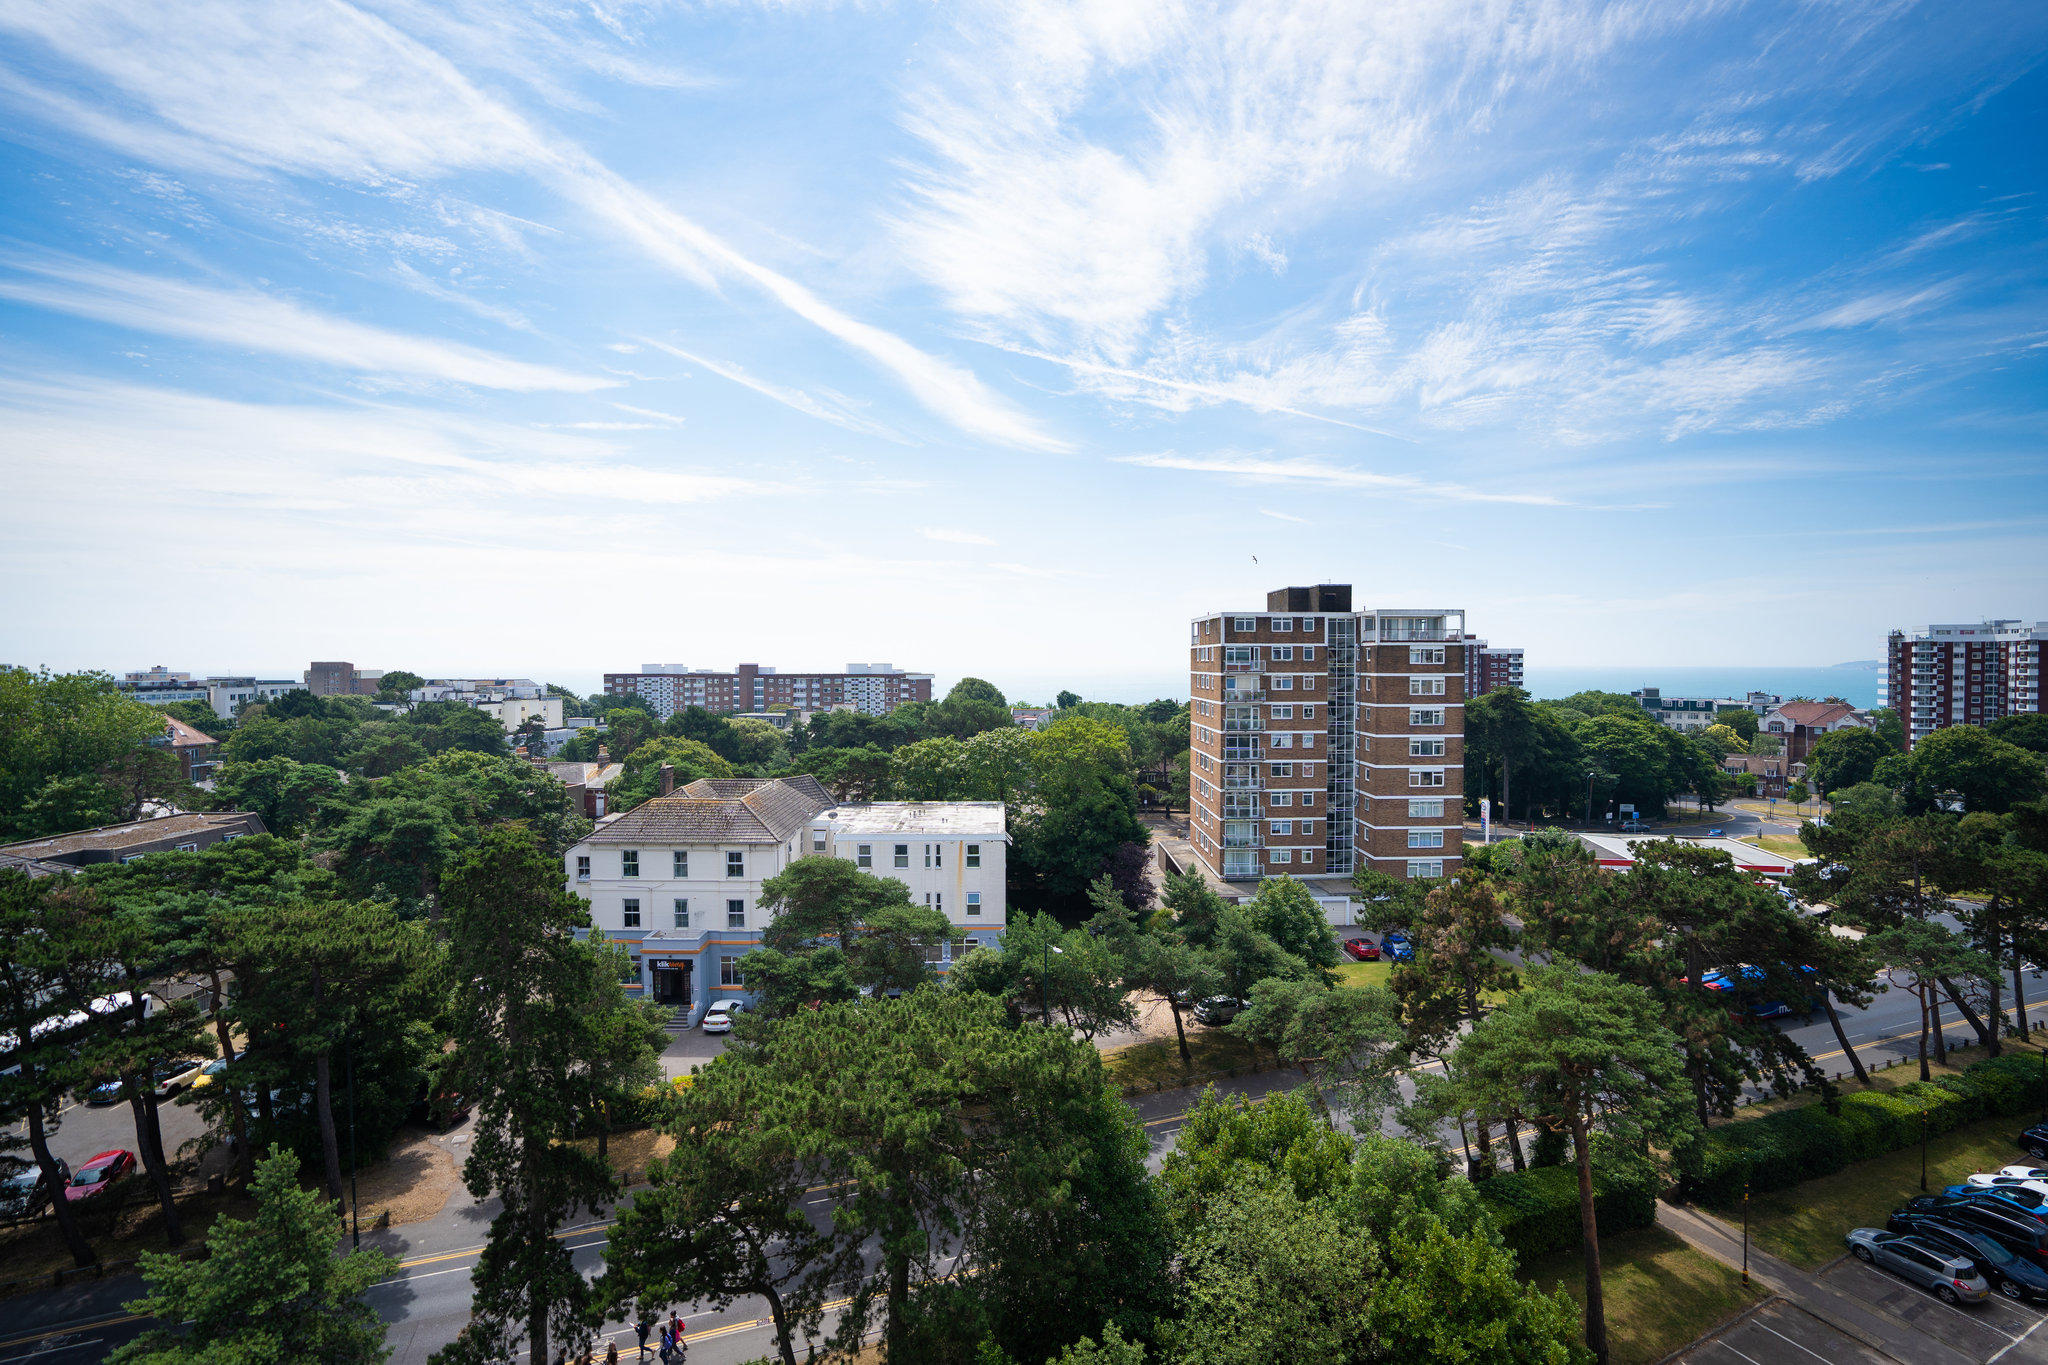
1660	1293
1361	974
1806	1223
1156	1065
1787	844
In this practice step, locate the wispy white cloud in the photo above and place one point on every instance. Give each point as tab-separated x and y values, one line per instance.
1297	471
668	419
834	408
335	91
947	536
1282	516
246	319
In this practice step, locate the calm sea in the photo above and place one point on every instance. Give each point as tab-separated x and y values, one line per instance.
1855	683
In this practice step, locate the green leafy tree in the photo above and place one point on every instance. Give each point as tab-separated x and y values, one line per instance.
1797	791
1346	1042
290	796
1583	1054
73	750
976	690
2029	730
688	759
1740	719
1458	933
1083	806
1989	773
1885	721
1725	738
1286	912
1845	758
528	1005
930	770
1067	700
855	775
827	916
271	1289
1176	971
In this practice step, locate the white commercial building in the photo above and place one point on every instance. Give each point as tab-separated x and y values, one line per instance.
677	879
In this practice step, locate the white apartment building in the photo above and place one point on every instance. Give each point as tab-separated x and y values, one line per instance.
677	879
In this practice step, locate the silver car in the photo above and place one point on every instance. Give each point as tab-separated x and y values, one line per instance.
1952	1278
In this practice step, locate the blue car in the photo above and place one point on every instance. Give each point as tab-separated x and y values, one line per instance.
2018	1196
1397	946
1753	976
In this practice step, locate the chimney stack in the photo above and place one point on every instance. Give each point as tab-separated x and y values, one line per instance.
668	779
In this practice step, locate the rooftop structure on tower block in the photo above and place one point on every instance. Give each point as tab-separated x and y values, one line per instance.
1964	674
874	689
1326	740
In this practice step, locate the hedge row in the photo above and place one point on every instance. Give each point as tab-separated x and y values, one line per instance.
1537	1211
1795	1145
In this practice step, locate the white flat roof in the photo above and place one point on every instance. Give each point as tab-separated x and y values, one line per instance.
984	818
1749	857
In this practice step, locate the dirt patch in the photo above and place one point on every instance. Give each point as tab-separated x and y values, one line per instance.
415	1183
632	1153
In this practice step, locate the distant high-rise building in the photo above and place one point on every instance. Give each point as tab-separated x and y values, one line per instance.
1964	674
341	679
874	689
1327	741
1487	668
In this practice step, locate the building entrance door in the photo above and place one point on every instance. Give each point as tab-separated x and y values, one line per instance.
672	983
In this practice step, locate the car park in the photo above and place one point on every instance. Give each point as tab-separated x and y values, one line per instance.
2009	1274
99	1174
1217	1009
24	1193
2016	1231
1952	1277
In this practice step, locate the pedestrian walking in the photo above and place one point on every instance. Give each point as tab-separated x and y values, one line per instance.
682	1338
645	1328
611	1353
668	1345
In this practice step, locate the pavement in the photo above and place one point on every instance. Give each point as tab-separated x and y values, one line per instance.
1849	1313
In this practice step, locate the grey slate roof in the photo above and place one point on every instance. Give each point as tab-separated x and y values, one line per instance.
739	810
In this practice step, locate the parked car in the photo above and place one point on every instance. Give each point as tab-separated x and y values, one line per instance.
1953	1278
1364	949
439	1111
2000	1180
2025	1172
2035	1141
1217	1009
717	1020
2019	1196
1633	827
2012	1275
99	1175
105	1093
2018	1232
209	1074
1397	946
24	1193
173	1076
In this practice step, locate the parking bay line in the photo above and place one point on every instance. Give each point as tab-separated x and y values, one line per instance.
2016	1340
1931	1299
1759	1322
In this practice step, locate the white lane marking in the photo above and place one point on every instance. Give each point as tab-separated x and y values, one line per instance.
2016	1341
1889	1277
1744	1354
1789	1342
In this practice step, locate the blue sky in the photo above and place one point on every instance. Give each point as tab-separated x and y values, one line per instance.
1000	338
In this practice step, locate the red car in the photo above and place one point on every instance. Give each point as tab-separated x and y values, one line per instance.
98	1174
1364	949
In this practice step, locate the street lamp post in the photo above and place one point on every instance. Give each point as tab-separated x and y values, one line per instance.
1745	1228
1045	965
1923	1151
1589	798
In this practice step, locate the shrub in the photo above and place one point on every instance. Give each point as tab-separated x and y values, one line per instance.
1537	1211
1796	1145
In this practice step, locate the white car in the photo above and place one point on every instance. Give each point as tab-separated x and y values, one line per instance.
718	1019
2002	1181
2025	1172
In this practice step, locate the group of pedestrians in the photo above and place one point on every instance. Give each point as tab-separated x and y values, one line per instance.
674	1338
